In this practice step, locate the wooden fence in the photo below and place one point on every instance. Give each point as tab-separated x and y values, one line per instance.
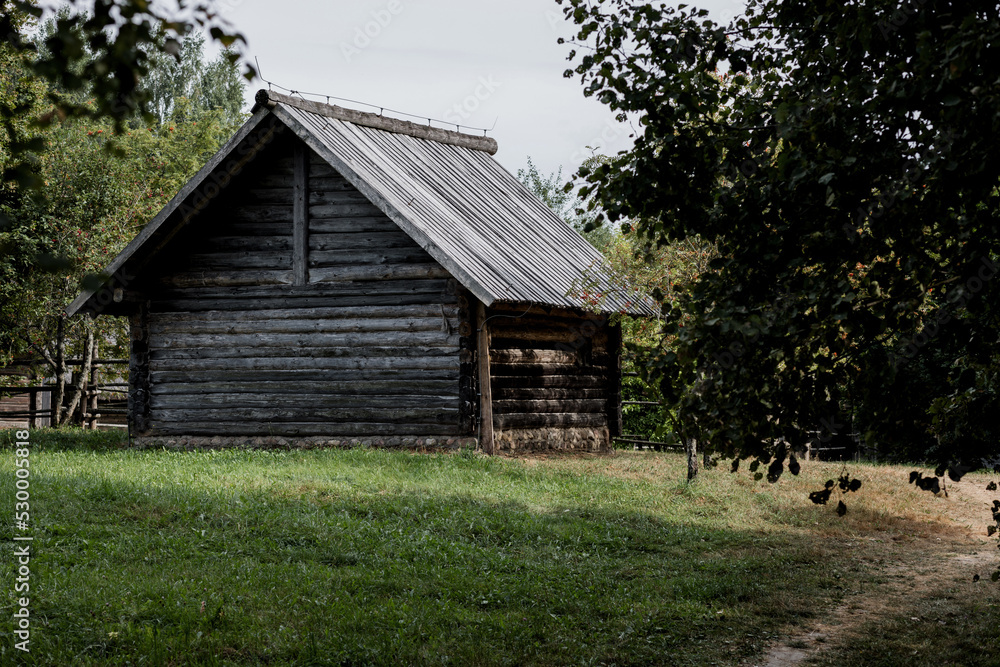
825	447
103	403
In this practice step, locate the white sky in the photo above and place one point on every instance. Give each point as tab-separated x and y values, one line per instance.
476	62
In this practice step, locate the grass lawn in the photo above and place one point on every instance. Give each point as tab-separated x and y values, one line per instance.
367	557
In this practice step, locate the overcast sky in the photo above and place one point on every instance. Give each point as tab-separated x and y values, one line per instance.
474	62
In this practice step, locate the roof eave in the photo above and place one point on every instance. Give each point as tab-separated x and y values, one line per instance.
116	269
383	204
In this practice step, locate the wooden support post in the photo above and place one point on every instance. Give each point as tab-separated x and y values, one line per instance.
33	409
300	216
692	458
138	370
60	371
614	386
485	390
92	405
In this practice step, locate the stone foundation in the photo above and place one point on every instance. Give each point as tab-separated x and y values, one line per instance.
588	439
181	442
515	440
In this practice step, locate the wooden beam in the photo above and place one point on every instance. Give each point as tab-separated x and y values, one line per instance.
138	370
394	210
300	216
614	385
269	99
190	189
485	391
530	420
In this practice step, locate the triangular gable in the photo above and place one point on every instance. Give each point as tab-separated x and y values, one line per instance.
442	188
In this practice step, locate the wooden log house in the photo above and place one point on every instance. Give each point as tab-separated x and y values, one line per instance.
335	277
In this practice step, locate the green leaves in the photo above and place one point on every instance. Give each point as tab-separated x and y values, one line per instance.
846	485
840	176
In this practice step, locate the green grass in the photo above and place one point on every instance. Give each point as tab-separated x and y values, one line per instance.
368	557
955	626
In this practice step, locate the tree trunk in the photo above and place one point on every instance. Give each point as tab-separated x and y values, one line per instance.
692	456
59	394
91	404
81	382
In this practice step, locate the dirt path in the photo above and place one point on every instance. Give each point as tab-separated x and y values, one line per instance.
914	573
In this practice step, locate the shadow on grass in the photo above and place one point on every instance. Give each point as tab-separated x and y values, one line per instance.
67	439
344	573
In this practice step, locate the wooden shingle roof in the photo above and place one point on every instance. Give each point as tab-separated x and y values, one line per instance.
446	191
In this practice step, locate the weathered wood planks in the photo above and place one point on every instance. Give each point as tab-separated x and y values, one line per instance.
486	422
138	370
304	310
300	215
552	369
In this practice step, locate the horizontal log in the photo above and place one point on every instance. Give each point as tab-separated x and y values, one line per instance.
545	369
320	168
560	318
546	393
516	308
294	341
360	241
294	363
433	286
526	382
271	99
524	338
247	229
238	261
268	195
254	243
278	302
166	326
225	278
590	406
300	401
361	209
336	197
352	386
324	183
280	164
544	333
596	346
274	179
374	223
522	356
337	258
304	352
386	272
260	213
548	420
353	415
351	312
301	428
251	377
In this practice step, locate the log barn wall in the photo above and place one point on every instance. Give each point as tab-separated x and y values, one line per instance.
360	340
554	378
334	277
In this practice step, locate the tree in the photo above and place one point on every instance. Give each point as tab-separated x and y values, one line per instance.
206	86
103	52
853	200
92	203
556	193
76	190
634	268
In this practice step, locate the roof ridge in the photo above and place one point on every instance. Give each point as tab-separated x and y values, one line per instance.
269	99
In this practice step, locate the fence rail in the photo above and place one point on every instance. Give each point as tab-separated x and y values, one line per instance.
101	405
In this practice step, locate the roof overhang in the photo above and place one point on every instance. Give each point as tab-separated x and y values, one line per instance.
275	114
